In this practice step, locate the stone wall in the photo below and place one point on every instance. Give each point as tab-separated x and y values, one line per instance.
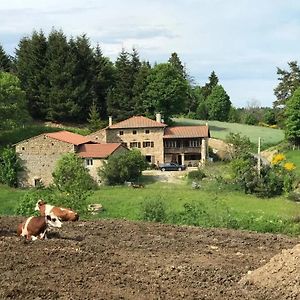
155	135
220	148
98	136
39	156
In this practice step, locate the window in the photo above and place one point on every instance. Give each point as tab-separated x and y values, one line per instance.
148	158
170	144
194	143
133	131
121	132
88	162
148	144
147	131
124	144
23	148
135	144
37	182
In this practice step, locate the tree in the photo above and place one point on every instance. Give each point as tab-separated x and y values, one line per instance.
139	88
9	167
104	80
292	122
120	100
13	108
213	81
61	69
175	61
166	91
5	61
31	70
71	177
127	166
94	118
218	104
289	82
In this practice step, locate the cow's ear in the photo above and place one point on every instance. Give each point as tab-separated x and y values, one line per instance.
48	218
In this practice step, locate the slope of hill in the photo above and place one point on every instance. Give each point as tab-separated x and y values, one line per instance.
220	130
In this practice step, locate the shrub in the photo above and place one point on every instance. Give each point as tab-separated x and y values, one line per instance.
196	175
73	181
153	210
126	166
294	196
9	167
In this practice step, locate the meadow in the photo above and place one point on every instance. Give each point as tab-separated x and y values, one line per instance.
220	130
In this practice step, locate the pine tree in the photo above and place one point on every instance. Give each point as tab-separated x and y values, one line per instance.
94	118
83	76
218	104
5	61
139	87
61	65
120	99
175	61
31	69
213	80
104	80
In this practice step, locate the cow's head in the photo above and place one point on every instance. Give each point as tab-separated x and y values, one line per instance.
53	220
39	204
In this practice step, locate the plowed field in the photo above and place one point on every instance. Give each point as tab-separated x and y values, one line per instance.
111	259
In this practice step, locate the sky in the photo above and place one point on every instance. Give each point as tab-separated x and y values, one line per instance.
243	41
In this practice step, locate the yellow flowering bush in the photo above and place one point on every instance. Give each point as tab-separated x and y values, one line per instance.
289	166
278	158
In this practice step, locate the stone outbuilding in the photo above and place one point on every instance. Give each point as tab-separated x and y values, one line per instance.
39	155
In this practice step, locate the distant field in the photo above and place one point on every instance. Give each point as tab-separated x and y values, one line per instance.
220	130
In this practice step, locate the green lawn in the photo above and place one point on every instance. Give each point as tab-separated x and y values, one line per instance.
9	198
220	130
294	156
124	202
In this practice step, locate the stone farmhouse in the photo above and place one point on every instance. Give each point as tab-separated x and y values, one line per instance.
158	142
40	154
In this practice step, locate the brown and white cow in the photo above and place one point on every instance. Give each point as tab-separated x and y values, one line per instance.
36	227
64	214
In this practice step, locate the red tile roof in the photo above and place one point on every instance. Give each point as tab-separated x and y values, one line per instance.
98	150
186	132
68	137
137	122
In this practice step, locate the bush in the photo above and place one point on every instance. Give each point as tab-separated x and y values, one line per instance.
126	166
9	167
73	181
153	210
294	196
196	175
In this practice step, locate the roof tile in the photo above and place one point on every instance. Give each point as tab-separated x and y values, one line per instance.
137	122
186	132
68	137
98	150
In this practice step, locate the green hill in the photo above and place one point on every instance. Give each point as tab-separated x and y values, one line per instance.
220	130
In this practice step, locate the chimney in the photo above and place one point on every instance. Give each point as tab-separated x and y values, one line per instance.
158	117
109	120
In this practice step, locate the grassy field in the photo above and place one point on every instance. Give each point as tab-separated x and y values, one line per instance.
9	198
220	130
294	156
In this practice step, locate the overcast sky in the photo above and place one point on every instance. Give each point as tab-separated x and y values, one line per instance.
243	41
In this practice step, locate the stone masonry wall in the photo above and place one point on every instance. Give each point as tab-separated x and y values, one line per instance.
39	156
155	135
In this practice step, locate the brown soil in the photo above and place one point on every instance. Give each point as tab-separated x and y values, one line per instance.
130	260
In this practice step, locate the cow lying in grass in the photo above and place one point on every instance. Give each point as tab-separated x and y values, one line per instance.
36	227
64	214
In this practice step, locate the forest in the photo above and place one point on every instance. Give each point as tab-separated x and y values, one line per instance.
65	79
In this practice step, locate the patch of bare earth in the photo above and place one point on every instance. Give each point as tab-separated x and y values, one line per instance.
112	259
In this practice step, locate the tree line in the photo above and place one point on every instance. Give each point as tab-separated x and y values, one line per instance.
64	78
